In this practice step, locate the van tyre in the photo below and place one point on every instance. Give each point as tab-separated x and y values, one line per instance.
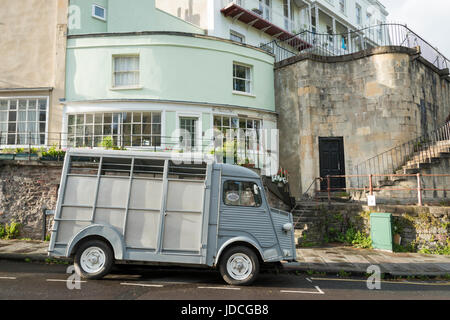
93	259
239	266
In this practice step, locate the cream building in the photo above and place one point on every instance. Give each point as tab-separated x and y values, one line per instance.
32	51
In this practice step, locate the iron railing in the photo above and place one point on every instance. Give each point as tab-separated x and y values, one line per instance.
408	155
247	150
421	189
328	44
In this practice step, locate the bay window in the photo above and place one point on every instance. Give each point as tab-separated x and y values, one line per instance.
23	121
126	129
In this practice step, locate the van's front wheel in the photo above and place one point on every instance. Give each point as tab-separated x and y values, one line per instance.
93	260
239	266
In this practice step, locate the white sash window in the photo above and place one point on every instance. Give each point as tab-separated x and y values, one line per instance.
126	71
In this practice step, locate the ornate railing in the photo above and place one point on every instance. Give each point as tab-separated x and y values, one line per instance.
327	44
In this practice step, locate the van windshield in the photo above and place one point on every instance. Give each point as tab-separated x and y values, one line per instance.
241	193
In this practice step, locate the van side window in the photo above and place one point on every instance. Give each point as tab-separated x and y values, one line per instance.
240	193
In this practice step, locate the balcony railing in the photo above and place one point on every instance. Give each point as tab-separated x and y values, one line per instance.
276	17
326	44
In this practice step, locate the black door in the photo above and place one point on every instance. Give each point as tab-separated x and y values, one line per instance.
332	162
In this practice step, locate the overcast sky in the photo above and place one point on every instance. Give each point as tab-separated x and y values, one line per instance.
430	19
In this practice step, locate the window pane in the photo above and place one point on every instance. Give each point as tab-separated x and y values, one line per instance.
3	116
146	117
42	116
127	117
137	117
12	116
13	105
147	129
22	104
98	130
107	129
32	105
42	104
71	119
3	105
107	118
136	141
98	118
137	129
245	194
156	118
156	129
89	118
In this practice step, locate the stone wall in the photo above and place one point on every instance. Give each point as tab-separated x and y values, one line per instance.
419	227
26	188
375	100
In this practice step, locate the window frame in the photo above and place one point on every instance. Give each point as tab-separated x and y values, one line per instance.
358	14
258	204
237	35
128	86
343	6
37	121
250	80
73	136
94	15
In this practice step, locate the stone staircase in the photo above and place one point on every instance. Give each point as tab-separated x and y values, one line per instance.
432	160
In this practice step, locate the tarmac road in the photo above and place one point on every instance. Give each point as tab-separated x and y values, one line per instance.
24	281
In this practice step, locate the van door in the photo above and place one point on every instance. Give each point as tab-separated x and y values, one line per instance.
184	206
244	213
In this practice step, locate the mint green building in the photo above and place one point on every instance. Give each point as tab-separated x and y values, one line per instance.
153	81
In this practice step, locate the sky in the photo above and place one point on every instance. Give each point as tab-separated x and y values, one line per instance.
430	19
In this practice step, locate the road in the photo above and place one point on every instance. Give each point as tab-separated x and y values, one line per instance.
24	281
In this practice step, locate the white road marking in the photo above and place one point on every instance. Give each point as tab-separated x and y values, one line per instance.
220	288
309	280
142	285
385	281
8	278
61	280
304	292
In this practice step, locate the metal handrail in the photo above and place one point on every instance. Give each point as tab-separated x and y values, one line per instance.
338	44
407	155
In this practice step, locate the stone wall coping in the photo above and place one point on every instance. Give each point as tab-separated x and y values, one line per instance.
414	52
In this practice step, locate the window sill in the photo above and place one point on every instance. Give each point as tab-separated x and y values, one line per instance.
240	93
126	88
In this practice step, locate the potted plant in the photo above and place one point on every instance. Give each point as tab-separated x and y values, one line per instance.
281	179
21	154
7	154
247	164
53	154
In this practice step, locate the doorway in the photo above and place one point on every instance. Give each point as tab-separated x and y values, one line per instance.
332	162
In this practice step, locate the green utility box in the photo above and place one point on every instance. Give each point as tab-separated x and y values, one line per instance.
381	231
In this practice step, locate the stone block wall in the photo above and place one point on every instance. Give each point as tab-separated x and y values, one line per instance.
375	99
26	188
419	227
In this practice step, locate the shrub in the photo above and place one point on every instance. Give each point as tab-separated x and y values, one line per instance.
10	231
107	143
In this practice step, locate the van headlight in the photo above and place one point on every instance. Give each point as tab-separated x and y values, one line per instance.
288	227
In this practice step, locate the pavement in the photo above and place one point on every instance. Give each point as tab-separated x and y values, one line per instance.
332	259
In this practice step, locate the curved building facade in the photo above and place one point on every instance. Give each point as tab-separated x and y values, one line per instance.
140	87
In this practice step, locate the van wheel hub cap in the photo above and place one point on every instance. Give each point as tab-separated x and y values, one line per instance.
93	259
239	266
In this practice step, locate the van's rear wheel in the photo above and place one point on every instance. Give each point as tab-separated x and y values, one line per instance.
239	266
93	259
